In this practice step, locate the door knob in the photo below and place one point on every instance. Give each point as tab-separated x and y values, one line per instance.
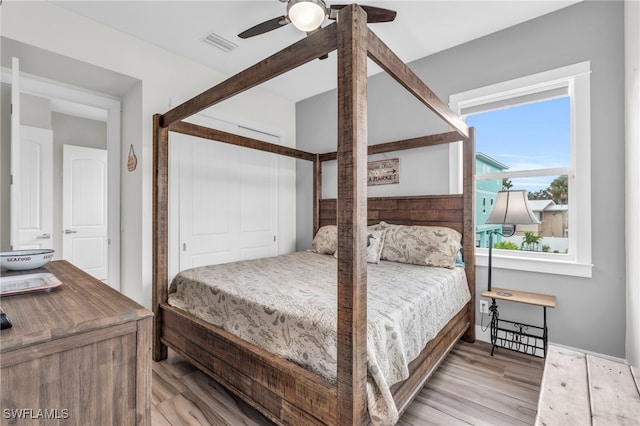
69	231
44	237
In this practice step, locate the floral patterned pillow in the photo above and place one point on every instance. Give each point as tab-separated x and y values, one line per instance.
374	227
326	240
375	244
421	245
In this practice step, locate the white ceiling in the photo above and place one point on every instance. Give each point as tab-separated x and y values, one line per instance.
420	29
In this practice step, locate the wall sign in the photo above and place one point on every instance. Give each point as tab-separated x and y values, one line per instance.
383	172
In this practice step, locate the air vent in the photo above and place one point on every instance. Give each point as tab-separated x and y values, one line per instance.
219	42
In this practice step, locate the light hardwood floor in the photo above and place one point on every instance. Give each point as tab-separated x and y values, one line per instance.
470	387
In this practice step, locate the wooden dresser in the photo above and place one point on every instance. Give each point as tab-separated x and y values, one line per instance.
78	355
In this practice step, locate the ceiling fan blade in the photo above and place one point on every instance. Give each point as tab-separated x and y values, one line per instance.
265	27
379	14
374	14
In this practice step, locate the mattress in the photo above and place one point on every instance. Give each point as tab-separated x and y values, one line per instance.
287	304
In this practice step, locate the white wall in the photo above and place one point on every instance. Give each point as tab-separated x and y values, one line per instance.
632	124
163	75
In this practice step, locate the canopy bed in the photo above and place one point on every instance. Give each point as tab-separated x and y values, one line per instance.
283	390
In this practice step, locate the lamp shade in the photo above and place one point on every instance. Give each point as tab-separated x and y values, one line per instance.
306	15
512	208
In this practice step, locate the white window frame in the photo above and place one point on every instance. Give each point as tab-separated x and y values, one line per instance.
576	80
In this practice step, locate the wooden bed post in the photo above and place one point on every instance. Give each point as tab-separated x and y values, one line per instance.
160	230
468	242
317	192
352	216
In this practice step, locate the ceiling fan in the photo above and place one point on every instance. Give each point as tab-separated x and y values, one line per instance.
308	16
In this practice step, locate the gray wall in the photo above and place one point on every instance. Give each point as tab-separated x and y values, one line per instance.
35	111
590	313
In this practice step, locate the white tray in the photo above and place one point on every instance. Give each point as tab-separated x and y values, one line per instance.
28	283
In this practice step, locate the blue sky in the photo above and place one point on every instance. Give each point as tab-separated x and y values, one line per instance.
526	137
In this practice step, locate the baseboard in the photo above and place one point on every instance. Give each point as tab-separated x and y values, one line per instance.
485	336
609	357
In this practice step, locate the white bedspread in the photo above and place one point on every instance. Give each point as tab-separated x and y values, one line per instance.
287	305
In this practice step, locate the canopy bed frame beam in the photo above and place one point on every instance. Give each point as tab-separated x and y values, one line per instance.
468	221
419	142
308	49
391	63
317	192
243	141
160	231
352	216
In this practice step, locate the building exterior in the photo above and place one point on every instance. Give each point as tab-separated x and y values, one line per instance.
554	219
486	192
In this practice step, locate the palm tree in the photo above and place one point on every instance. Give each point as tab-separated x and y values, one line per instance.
506	184
531	241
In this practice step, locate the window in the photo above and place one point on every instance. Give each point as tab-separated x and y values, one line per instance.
533	133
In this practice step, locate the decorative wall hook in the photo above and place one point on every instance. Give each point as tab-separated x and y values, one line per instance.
132	161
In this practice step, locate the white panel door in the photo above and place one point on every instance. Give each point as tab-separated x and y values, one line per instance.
84	209
227	202
33	179
15	155
206	192
258	192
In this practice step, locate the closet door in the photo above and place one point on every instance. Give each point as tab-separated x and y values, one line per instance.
227	202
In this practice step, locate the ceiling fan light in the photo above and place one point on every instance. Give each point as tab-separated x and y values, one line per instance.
306	15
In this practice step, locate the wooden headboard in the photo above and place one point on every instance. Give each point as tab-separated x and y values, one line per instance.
424	210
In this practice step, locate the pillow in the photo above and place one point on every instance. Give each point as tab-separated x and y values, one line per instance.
459	259
375	243
326	240
421	245
374	227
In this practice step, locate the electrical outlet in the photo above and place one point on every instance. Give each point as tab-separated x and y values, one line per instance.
484	307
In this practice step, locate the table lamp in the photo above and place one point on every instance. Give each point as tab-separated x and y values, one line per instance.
511	208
